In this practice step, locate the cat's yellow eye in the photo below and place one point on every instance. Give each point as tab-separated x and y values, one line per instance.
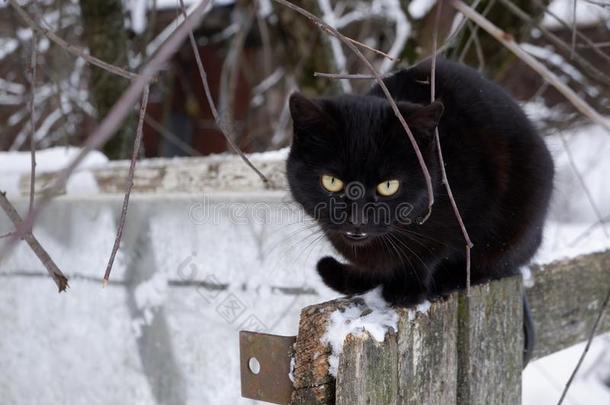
388	187
331	183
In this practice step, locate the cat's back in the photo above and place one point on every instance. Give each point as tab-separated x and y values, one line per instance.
470	99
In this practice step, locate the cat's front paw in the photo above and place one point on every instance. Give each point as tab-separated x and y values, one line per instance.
403	297
332	273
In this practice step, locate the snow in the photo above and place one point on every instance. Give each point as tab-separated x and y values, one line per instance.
419	8
587	14
7	46
374	317
137	10
544	380
280	154
422	308
16	164
528	278
292	366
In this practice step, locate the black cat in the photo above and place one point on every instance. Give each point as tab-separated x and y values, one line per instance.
353	169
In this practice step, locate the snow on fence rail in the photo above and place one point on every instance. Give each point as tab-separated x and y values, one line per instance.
222	172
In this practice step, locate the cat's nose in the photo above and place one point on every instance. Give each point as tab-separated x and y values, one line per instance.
357	218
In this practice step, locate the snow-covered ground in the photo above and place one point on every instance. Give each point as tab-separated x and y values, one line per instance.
198	277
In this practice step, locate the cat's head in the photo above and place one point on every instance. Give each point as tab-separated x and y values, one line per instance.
352	166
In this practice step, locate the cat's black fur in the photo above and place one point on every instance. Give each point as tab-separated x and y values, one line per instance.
499	169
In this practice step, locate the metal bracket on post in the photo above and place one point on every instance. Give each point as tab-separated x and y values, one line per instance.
265	366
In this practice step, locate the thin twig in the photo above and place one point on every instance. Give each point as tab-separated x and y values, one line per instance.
600	316
229	74
450	41
224	129
368	48
479	51
170	136
265	39
456	210
344	76
604	44
332	31
573	29
58	277
338	56
590	198
132	168
579	34
474	32
107	128
74	50
590	229
33	65
507	40
599	3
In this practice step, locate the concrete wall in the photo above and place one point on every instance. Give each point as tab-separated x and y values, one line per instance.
193	270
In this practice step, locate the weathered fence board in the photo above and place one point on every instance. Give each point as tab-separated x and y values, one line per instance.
463	350
428	347
490	343
313	383
566	299
368	372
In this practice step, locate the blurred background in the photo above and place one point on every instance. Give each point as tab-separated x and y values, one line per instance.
208	250
256	53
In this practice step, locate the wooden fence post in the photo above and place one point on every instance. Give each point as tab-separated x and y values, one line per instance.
462	350
490	343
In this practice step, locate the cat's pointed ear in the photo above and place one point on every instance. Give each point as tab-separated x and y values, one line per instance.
422	118
306	114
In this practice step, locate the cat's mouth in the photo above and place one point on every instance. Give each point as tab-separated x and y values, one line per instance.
356	236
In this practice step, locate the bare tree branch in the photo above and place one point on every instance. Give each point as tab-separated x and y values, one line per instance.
579	34
507	40
341	76
74	50
599	3
227	130
132	167
265	39
369	48
33	65
105	130
588	194
171	137
332	31
474	32
456	210
558	42
573	29
229	75
600	316
60	280
590	229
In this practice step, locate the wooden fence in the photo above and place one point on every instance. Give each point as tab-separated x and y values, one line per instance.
463	350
